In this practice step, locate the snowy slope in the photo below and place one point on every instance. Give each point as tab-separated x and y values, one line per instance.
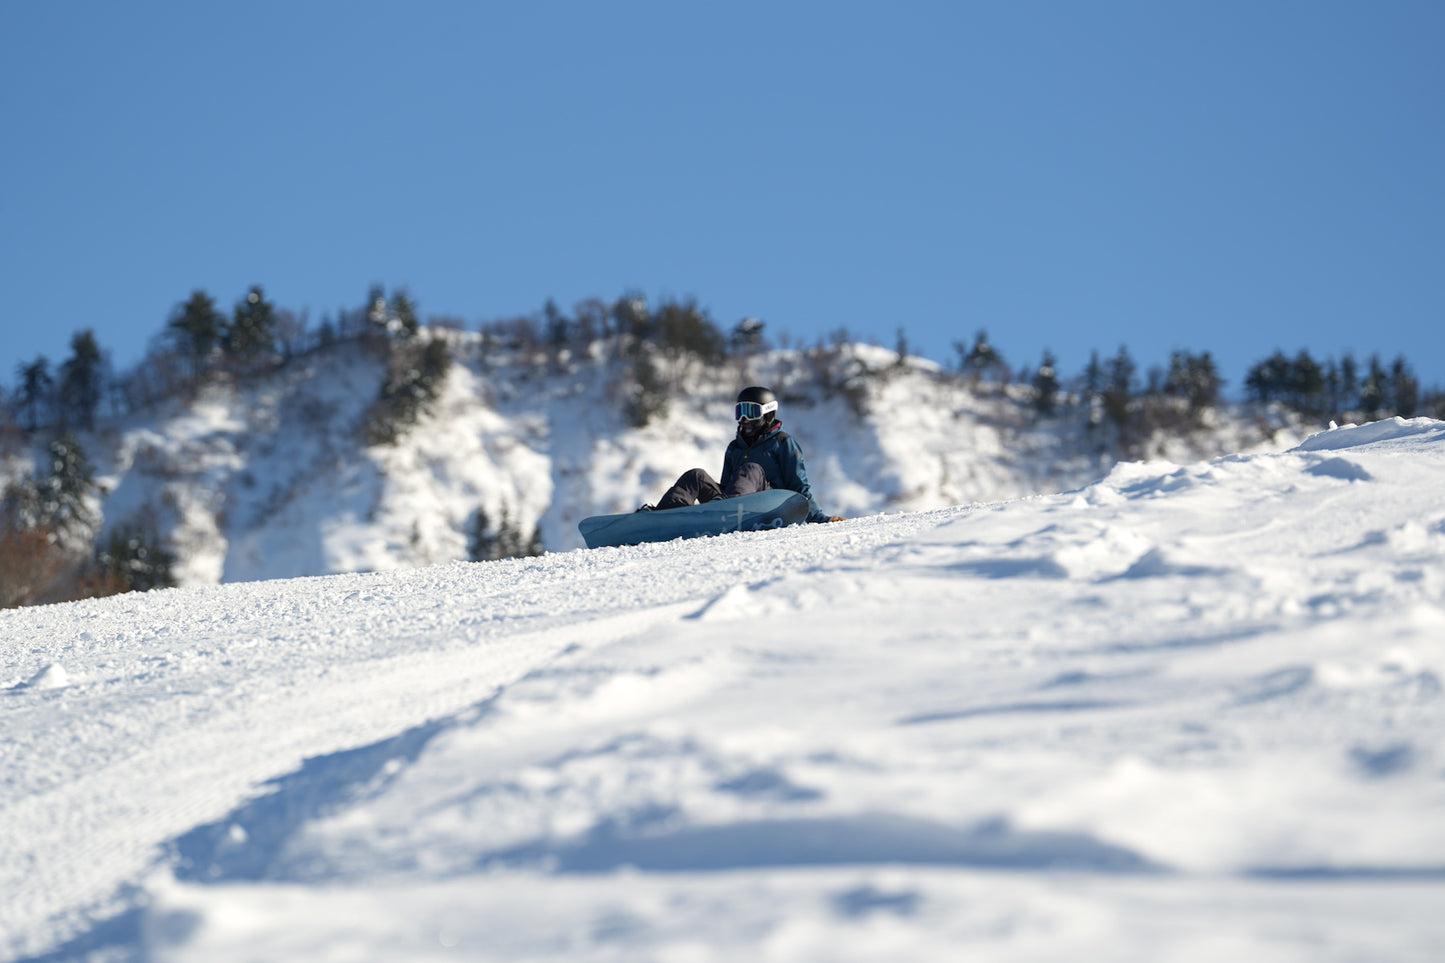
268	478
1188	712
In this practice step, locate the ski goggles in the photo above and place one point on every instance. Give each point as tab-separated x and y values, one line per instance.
752	411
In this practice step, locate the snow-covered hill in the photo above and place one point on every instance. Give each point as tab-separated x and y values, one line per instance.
1188	712
268	478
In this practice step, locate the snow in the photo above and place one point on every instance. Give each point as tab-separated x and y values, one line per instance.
267	477
53	676
1190	711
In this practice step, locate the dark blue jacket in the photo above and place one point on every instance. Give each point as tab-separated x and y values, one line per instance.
782	461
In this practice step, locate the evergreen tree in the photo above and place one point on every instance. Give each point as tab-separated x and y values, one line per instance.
1306	384
403	313
1176	382
1432	404
393	318
979	359
1120	387
1404	389
1046	385
36	385
685	329
197	327
62	497
252	333
1269	379
481	542
487	542
1349	382
378	313
1193	377
81	381
591	321
413	381
1093	377
436	361
1374	390
1334	388
632	319
134	559
648	398
1204	382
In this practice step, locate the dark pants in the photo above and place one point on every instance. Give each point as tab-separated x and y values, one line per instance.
697	486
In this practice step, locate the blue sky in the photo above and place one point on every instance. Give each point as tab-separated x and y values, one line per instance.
1226	176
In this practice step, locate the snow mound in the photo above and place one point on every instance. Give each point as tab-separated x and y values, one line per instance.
1403	434
53	676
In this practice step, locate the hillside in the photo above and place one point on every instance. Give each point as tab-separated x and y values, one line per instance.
268	476
1189	711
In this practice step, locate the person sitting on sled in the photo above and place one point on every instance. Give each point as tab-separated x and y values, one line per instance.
762	456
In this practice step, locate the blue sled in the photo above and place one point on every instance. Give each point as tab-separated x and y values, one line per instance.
747	513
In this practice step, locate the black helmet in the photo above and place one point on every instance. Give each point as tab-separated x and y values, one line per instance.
756	403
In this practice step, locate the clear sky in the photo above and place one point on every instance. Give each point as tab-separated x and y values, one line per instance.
1226	175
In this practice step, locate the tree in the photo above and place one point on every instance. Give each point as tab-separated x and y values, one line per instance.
53	505
1046	385
1194	378
558	331
1432	404
1334	388
32	565
63	496
1349	380
632	319
413	381
1204	382
1306	384
252	334
35	391
591	320
1176	382
377	311
1269	379
1404	389
1093	377
1374	390
487	542
1119	390
134	560
394	318
648	397
979	359
403	312
197	328
685	329
81	381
